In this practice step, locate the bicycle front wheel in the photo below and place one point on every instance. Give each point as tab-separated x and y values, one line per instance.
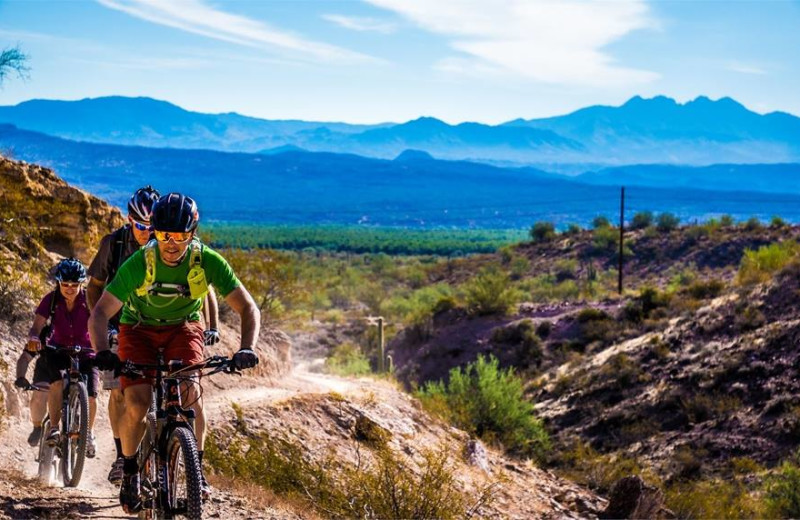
183	474
75	432
47	457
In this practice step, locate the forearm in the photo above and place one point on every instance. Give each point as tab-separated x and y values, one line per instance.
98	330
251	324
22	364
212	306
93	292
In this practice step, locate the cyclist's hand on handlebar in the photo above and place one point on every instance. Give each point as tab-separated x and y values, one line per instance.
106	360
34	345
21	382
210	337
245	358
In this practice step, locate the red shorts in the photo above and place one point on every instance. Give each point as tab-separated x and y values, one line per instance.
141	343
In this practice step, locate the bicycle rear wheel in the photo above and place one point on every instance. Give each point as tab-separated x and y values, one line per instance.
76	422
183	474
48	463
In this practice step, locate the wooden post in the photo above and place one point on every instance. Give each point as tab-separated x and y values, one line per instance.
382	360
621	237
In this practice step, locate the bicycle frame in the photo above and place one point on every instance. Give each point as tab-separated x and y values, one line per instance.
168	412
71	473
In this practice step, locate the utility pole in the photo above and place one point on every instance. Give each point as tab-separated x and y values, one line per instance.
621	236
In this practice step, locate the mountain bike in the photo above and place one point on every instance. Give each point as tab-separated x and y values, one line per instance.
71	448
169	467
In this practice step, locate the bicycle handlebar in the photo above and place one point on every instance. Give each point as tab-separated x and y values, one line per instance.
217	363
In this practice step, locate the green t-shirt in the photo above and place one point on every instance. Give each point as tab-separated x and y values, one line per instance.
163	310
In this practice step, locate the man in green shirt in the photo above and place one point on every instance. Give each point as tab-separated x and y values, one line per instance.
160	290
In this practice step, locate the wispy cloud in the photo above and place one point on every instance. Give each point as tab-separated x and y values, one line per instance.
196	16
746	68
361	23
550	41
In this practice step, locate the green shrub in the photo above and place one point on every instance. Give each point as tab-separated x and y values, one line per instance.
642	220
667	222
381	486
543	232
605	239
489	402
595	325
490	292
712	499
777	222
583	464
752	224
726	221
523	335
705	289
572	229
759	266
347	360
782	492
601	221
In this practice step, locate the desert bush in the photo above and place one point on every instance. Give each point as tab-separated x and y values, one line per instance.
489	292
583	464
777	222
519	267
565	269
714	498
667	222
522	335
705	289
782	491
546	288
383	485
347	359
543	232
544	329
595	325
758	266
489	402
642	220
726	221
752	224
572	229
601	221
605	239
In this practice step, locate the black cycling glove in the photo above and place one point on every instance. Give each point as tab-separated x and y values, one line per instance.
21	382
106	360
245	358
210	337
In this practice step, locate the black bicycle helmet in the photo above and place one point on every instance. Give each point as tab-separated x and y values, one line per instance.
175	212
70	270
141	204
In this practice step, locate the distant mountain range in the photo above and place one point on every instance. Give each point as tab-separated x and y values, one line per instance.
642	131
414	190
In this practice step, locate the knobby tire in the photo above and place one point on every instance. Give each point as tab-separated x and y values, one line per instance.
75	434
183	472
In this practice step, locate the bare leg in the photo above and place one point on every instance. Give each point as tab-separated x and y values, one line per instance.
190	395
92	412
54	399
132	426
116	409
38	407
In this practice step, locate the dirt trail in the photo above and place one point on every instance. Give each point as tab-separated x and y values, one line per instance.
21	496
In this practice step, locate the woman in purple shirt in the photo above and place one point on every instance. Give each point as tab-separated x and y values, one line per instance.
69	323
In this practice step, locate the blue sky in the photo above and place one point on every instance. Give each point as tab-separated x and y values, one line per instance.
394	60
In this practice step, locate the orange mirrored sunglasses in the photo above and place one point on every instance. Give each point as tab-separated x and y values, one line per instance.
176	236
